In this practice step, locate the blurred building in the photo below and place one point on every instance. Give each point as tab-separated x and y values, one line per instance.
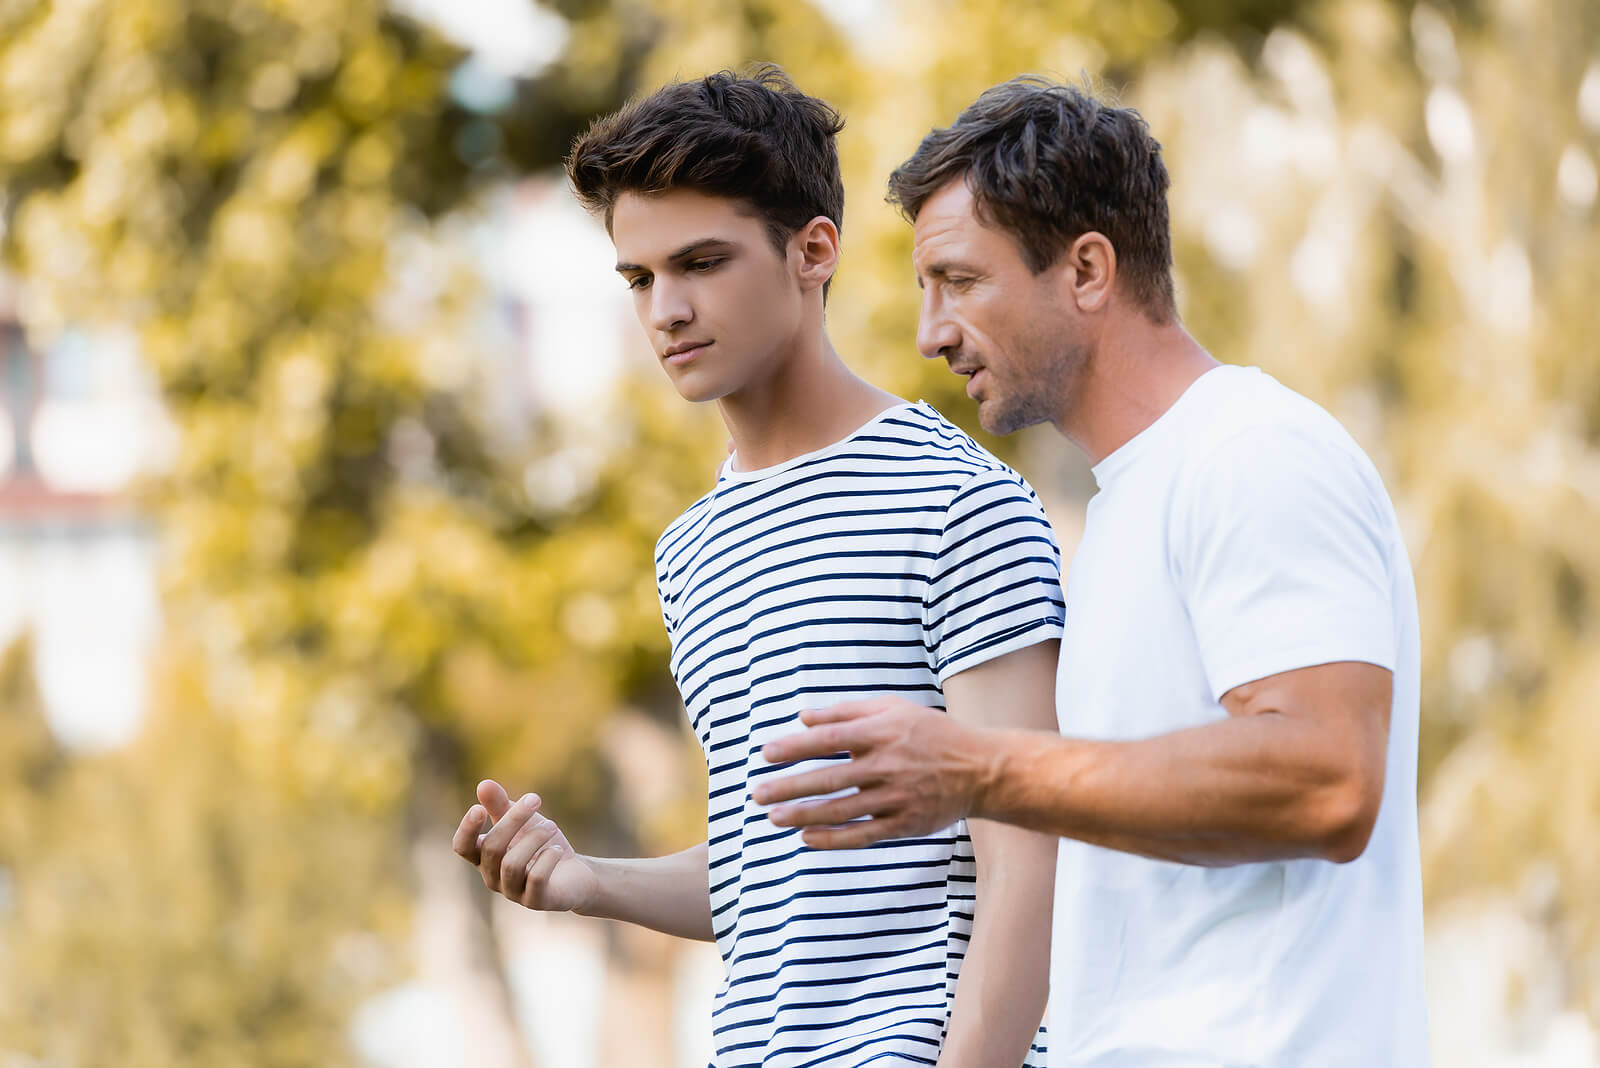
79	422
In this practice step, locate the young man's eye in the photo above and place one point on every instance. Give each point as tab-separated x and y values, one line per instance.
638	281
702	266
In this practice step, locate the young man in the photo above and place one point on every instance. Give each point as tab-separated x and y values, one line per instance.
1239	876
854	544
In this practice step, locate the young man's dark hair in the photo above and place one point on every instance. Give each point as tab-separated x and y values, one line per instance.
1047	163
754	138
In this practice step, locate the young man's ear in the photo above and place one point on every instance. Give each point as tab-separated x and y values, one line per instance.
817	247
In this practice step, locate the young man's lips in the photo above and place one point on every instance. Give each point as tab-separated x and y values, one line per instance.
686	353
972	382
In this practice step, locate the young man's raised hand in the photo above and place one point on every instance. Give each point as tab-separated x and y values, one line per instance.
522	855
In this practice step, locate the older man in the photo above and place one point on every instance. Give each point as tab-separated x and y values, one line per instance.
1238	879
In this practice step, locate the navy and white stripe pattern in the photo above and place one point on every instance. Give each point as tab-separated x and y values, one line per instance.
882	564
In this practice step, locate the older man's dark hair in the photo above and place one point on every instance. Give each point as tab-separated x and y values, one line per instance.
1048	163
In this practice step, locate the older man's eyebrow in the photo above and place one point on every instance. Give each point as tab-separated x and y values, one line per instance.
698	247
940	270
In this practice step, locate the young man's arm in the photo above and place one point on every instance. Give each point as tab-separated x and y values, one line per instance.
1005	977
1296	770
523	856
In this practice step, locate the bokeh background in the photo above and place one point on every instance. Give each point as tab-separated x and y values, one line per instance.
331	461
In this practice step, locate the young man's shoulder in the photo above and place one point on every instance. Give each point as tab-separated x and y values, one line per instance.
908	449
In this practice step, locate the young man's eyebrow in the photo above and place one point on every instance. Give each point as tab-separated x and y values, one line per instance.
693	248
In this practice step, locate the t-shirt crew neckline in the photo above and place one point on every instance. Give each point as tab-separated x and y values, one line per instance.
1106	471
729	474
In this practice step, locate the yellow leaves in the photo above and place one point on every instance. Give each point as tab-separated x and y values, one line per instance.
364	79
197	909
527	726
273	86
30	756
370	159
288	172
315	51
26	132
337	625
223	138
252	237
38	69
590	621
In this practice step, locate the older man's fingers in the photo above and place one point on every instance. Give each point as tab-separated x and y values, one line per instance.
856	835
839	713
829	813
832	779
830	739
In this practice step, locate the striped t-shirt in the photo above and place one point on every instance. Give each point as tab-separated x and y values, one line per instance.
881	564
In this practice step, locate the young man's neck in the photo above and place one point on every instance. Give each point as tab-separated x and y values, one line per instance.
1138	371
811	401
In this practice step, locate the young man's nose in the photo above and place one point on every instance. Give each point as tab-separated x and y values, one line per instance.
669	307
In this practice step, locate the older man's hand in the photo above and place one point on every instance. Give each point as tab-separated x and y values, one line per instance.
914	768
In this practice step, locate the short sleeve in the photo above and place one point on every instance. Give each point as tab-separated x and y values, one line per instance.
1282	545
995	585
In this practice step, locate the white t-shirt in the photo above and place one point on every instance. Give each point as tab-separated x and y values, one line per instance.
1240	535
886	562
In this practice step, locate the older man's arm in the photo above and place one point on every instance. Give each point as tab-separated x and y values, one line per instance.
1296	770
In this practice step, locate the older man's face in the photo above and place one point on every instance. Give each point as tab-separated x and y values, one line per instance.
991	318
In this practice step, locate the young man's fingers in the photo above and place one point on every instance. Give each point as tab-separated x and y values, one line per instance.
535	822
539	872
533	838
493	846
494	798
519	860
467	836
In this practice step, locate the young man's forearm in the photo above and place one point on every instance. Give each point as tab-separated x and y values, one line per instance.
1005	978
669	894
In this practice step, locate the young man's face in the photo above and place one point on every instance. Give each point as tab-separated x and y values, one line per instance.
991	318
720	305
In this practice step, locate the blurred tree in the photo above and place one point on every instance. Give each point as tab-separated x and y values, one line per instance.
31	764
369	606
371	613
175	904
